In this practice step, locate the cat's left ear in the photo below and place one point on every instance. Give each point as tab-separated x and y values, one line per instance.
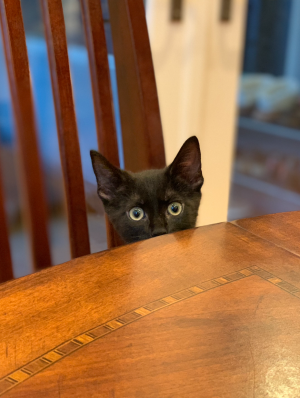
110	179
187	164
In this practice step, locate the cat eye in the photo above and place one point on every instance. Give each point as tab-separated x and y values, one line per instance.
136	213
175	209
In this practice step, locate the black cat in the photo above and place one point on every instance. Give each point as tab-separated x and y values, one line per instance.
152	202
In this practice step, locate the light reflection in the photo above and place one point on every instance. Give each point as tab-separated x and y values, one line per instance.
283	379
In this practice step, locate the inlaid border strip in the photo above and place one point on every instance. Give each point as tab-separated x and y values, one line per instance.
68	347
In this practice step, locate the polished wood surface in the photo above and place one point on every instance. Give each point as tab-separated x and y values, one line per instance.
210	312
139	108
282	229
31	177
66	126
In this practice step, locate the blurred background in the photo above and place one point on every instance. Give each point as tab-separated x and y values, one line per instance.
227	71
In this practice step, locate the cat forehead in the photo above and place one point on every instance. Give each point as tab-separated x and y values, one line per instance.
149	175
149	183
153	185
149	179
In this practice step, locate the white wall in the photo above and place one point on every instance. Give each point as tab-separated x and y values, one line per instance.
197	63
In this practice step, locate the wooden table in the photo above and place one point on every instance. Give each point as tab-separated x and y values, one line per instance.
209	312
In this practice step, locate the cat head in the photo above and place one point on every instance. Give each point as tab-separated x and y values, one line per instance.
152	202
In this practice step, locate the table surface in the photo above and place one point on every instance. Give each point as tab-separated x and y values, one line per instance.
209	312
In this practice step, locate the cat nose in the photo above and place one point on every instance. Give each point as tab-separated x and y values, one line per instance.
158	232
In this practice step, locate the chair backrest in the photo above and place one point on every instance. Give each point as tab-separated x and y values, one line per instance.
139	110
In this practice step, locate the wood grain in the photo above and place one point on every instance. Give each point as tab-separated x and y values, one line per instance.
73	299
6	270
227	342
90	336
16	57
139	108
102	95
66	126
282	229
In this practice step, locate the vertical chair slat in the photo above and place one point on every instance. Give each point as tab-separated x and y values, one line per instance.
99	69
30	163
66	125
6	270
102	95
139	107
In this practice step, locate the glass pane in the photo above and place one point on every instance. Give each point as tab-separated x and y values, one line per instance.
267	166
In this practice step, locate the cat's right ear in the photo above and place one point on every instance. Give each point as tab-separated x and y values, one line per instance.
109	178
187	164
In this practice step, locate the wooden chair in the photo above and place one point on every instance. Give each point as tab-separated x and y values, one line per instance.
139	110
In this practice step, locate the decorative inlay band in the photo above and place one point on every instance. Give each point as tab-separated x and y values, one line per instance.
68	347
